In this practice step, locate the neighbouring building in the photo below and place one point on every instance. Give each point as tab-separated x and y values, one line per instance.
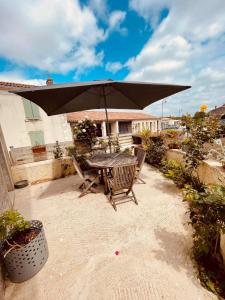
121	124
25	124
170	123
219	112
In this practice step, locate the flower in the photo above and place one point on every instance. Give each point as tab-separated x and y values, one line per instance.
84	130
94	125
203	107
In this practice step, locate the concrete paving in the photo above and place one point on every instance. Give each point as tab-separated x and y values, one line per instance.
153	241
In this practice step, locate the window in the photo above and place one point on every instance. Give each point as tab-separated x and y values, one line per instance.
31	110
36	138
125	127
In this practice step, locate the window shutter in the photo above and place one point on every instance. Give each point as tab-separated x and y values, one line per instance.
37	138
31	110
35	110
27	109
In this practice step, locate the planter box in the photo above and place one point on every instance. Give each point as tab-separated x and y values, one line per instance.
23	263
39	149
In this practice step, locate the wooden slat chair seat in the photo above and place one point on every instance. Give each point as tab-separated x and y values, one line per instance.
141	154
89	178
120	184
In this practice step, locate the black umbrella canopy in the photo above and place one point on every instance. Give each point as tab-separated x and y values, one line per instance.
63	98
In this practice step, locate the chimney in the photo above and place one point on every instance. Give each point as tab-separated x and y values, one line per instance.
49	81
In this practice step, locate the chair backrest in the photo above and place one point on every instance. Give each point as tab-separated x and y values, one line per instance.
141	154
77	167
123	177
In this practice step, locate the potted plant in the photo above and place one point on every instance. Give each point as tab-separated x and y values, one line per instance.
24	247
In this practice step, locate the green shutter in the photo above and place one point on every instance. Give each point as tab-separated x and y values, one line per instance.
27	109
35	110
31	110
37	138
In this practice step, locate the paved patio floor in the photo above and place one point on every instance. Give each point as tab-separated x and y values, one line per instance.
153	240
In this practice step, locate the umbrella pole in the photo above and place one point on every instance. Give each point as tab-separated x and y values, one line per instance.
107	120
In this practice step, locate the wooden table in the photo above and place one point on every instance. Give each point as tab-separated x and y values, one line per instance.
110	160
106	161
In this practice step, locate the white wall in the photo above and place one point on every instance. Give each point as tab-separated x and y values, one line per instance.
138	126
15	127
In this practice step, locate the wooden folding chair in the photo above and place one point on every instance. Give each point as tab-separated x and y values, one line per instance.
89	178
141	154
121	184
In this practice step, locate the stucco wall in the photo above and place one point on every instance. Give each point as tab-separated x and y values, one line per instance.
42	171
15	127
138	126
209	172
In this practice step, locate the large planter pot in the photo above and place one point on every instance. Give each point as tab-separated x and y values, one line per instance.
23	263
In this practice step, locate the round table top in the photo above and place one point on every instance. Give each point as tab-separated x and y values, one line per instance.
110	160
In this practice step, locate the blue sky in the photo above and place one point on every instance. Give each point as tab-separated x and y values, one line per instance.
170	41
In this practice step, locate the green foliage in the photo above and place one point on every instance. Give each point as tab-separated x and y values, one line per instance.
145	135
207	213
86	130
200	132
11	222
127	150
58	152
155	151
116	145
71	150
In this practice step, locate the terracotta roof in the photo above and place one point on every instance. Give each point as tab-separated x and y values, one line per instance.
113	116
13	85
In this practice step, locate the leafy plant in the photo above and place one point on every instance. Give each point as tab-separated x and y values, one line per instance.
200	133
11	222
155	151
71	150
58	151
145	135
86	130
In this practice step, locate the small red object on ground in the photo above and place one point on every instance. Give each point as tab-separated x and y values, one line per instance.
117	252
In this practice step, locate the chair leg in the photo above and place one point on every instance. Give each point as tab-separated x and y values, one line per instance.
141	180
113	203
88	187
135	199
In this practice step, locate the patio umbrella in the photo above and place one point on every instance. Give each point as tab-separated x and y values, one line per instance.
64	98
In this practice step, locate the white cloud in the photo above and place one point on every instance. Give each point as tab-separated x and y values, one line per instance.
57	36
100	8
116	18
186	48
113	66
19	77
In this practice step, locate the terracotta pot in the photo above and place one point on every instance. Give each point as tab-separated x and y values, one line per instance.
39	149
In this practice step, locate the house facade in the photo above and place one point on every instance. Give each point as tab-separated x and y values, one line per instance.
218	112
120	123
25	124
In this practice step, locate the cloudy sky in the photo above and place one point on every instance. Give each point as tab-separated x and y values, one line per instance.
171	41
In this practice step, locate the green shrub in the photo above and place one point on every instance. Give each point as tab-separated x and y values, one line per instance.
155	151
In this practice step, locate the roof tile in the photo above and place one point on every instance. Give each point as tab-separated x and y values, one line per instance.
113	116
